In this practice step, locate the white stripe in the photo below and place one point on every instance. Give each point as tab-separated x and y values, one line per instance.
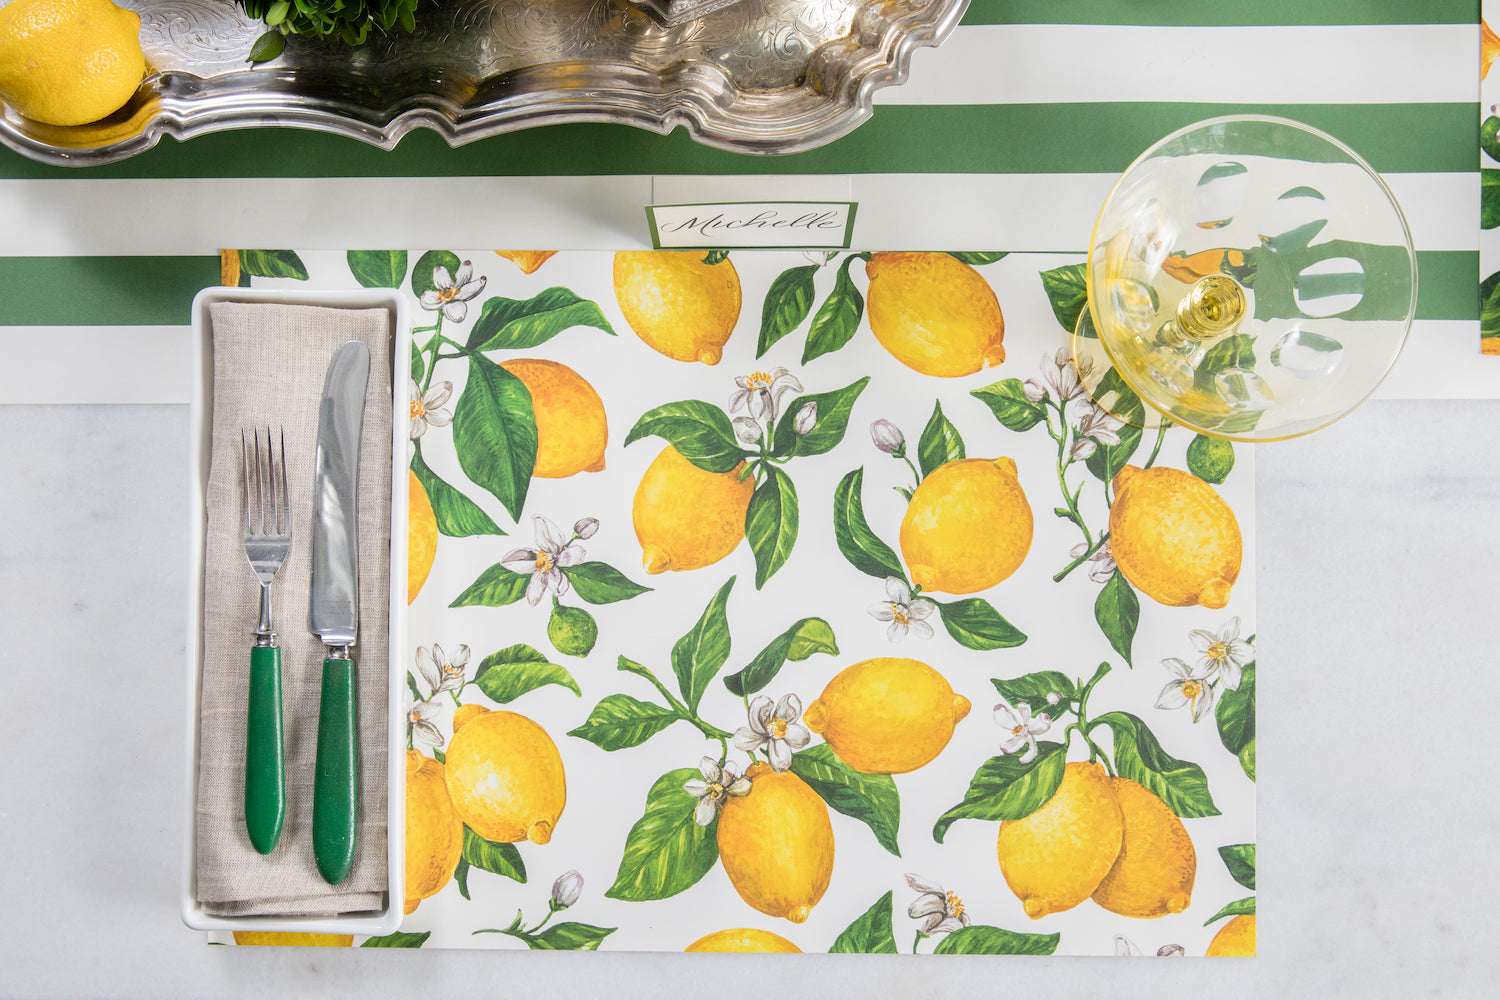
1442	361
104	364
1056	64
1043	212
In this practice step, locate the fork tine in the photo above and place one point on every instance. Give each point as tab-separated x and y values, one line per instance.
260	484
245	459
286	503
274	508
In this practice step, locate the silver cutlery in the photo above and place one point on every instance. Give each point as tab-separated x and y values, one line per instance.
268	539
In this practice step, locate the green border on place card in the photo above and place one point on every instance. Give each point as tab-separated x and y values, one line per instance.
852	206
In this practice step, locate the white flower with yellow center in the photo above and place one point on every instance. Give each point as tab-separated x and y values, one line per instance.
903	612
1021	728
1187	687
426	408
440	672
760	393
774	730
545	563
451	293
421	722
939	909
717	785
1224	652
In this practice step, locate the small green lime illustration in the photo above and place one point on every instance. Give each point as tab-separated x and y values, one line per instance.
573	631
1210	459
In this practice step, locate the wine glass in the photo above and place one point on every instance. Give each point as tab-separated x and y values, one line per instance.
1249	277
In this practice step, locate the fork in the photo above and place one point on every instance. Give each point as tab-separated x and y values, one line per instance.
268	539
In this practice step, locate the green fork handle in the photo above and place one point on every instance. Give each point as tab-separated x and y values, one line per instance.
336	781
265	775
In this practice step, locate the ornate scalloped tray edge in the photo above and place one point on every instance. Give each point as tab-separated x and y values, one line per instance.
757	76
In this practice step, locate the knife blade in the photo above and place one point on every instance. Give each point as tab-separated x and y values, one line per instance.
333	608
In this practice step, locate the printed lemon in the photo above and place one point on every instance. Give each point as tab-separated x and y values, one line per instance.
421	536
686	518
1235	939
464	713
776	844
288	939
527	260
69	62
678	304
967	527
743	939
887	715
1055	858
505	778
934	313
1153	875
434	833
571	429
1173	537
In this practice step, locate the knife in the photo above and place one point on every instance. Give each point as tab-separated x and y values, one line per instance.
333	609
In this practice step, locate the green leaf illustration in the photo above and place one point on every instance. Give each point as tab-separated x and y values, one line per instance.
1118	611
487	855
697	656
506	675
771	524
457	516
1489	306
856	541
1489	198
1068	290
572	631
1489	137
982	940
461	877
940	442
976	258
787	304
1240	860
495	588
716	256
494	433
1239	908
1235	712
619	722
377	268
400	939
1247	759
1004	788
1007	401
1210	459
870	934
1032	690
511	324
666	850
1235	351
1138	756
870	798
1121	400
570	936
700	432
421	274
267	47
273	264
833	420
601	583
808	636
974	623
837	319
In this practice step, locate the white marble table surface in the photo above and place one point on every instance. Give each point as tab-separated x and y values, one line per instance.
1377	560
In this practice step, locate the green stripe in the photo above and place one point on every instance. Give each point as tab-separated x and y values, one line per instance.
1448	284
1187	12
102	291
1098	137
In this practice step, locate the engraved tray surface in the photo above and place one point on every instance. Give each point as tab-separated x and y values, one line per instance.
756	76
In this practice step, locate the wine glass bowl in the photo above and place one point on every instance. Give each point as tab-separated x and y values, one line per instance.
1249	277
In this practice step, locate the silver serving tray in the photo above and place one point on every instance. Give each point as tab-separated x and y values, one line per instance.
757	76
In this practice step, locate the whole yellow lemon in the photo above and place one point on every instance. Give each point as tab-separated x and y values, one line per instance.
421	536
686	518
1055	858
505	778
434	833
1235	939
571	429
69	62
527	260
743	939
967	527
776	844
289	939
934	313
1153	875
887	715
1173	537
676	303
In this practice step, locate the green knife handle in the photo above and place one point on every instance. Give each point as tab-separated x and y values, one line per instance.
265	776
336	781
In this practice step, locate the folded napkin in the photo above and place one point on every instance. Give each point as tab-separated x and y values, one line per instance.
269	364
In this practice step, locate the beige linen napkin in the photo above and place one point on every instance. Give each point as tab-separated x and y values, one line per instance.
269	364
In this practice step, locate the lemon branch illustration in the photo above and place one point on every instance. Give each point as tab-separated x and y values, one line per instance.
567	889
942	918
967	527
721	479
1236	938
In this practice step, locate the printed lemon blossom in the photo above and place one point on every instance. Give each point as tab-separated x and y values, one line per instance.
1126	948
791	747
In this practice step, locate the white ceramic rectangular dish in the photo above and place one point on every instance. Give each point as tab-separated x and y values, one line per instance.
388	917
